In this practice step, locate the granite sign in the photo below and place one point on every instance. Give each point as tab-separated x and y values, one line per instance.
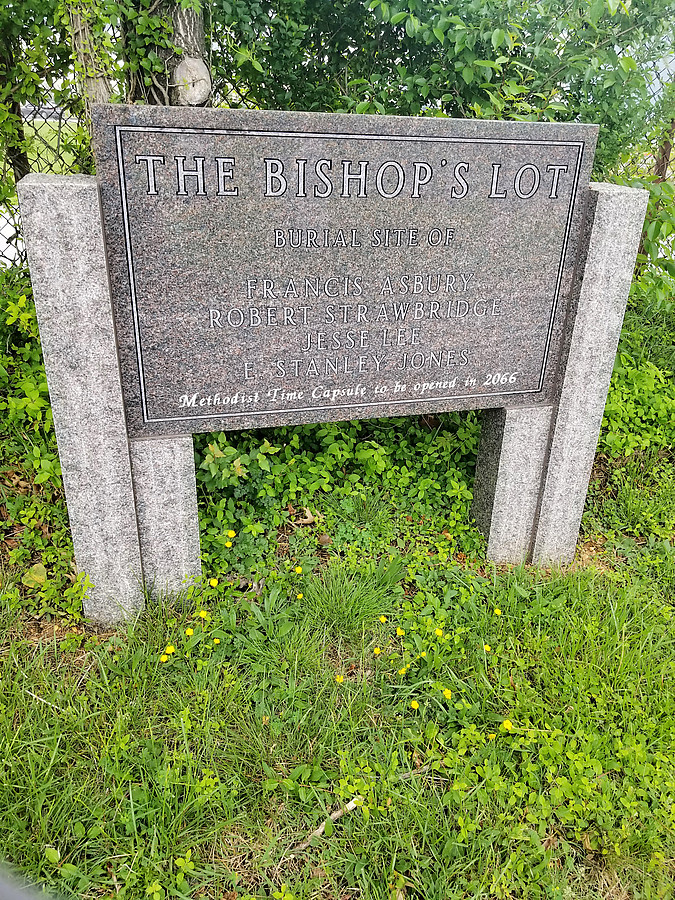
237	269
273	267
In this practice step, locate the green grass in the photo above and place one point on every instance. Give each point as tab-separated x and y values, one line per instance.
543	766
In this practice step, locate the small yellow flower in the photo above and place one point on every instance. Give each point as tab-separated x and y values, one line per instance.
339	678
298	570
487	648
492	736
299	596
498	612
203	614
216	640
189	631
447	693
377	651
402	671
414	704
170	648
213	582
383	619
439	632
163	657
423	653
265	720
228	543
231	533
507	724
400	632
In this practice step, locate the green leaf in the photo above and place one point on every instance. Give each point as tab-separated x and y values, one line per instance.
68	870
412	26
53	856
596	11
467	74
498	37
628	64
398	17
612	6
328	828
35	577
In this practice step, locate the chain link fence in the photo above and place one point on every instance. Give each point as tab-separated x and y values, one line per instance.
53	143
55	140
654	156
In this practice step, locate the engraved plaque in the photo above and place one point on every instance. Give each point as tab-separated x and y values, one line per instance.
275	268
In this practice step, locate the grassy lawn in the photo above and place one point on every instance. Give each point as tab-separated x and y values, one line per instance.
354	703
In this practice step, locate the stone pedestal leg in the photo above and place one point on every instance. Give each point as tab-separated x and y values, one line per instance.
133	514
617	215
166	503
62	227
534	464
510	467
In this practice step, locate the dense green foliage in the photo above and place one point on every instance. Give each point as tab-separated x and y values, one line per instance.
587	60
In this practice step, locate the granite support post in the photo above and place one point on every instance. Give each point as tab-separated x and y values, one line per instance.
62	227
534	464
166	504
617	219
509	471
132	509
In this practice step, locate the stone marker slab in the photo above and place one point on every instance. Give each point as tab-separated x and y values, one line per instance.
271	268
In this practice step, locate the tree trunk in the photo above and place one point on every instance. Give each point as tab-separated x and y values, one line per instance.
189	72
14	141
95	84
187	80
663	156
16	145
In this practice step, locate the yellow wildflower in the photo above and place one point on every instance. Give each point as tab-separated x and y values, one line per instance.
383	619
216	640
377	651
507	724
213	582
400	632
402	671
298	570
163	657
414	704
339	678
439	632
231	533
447	693
423	653
203	614
299	596
170	648
492	736
228	543
189	631
487	648
498	612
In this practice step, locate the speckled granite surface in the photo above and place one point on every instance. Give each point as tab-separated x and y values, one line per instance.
272	268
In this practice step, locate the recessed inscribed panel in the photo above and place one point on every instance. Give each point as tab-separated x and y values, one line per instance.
273	268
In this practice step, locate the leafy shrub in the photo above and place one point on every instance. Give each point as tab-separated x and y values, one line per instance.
640	409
